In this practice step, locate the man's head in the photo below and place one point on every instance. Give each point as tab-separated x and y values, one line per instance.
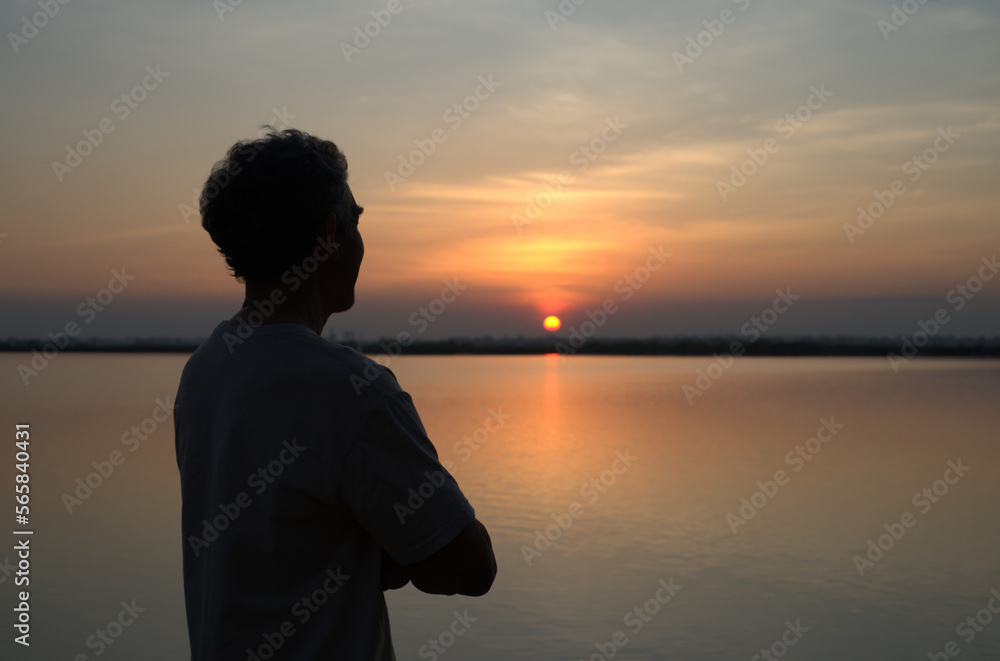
269	201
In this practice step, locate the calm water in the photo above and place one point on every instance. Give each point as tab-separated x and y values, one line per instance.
661	518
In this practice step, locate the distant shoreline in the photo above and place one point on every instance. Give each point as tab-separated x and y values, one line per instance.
787	347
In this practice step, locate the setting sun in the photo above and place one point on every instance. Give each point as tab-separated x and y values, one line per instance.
552	323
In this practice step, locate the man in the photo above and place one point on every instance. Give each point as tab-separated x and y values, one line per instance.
298	457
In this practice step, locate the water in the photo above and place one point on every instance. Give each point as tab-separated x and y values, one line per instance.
663	517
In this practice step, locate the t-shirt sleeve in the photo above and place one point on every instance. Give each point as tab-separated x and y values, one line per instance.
394	484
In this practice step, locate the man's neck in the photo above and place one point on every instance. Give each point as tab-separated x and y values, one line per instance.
260	309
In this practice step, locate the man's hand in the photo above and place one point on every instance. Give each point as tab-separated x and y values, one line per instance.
393	576
466	565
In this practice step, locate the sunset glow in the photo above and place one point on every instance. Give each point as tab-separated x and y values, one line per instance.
543	193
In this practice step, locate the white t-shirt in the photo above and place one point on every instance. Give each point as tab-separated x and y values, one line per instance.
301	460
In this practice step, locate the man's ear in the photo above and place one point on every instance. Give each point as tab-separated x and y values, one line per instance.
327	234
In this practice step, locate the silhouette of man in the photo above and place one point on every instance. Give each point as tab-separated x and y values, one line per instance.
308	482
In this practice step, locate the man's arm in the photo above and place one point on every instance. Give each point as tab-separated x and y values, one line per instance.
465	565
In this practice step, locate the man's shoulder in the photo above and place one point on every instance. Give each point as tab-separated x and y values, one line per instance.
290	349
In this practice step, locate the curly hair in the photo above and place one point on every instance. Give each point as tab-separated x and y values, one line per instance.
264	203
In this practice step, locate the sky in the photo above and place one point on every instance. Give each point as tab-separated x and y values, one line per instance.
657	168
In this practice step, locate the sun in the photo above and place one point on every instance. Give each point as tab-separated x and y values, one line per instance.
552	323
